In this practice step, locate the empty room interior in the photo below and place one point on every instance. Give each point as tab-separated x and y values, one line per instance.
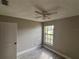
39	29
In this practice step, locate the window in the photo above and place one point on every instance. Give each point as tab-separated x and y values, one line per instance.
48	34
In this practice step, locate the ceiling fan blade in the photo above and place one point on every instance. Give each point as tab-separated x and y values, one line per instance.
38	17
38	12
52	13
54	8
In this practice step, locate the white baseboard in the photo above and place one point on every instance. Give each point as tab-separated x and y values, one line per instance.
28	50
63	55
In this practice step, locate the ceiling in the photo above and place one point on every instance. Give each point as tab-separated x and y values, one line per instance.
25	8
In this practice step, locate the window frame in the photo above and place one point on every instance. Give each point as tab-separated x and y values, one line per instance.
46	34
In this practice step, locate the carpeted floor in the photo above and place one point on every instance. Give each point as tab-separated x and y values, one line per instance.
40	53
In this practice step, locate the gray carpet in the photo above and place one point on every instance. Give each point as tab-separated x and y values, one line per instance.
40	53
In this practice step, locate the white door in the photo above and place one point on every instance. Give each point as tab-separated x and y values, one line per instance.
8	38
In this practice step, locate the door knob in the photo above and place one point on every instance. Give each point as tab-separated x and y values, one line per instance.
15	43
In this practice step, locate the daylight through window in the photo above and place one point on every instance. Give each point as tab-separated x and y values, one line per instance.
48	34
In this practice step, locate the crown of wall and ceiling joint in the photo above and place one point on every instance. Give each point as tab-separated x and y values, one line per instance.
4	2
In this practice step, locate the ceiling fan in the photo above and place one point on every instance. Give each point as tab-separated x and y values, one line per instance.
44	13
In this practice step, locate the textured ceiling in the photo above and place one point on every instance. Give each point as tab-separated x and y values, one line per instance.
25	8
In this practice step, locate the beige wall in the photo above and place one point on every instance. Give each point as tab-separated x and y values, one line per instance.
29	35
29	32
66	37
